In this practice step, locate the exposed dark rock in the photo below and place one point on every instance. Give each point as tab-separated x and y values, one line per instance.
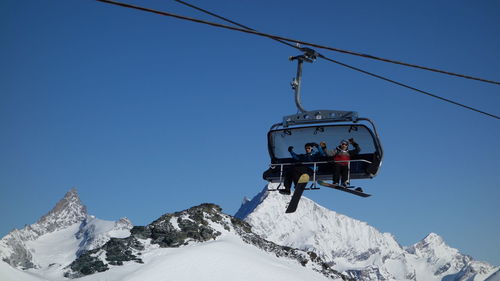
88	263
190	225
443	269
119	250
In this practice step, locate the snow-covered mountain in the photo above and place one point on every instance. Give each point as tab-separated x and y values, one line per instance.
355	248
200	243
67	212
446	262
58	237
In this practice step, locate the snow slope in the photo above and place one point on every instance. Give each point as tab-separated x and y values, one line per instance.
94	233
228	258
54	251
9	273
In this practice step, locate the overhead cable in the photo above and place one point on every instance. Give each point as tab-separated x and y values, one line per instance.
343	64
284	39
230	21
298	41
410	87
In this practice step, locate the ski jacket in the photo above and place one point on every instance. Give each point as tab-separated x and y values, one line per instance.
309	157
345	155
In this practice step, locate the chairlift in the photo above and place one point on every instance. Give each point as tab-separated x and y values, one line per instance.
329	126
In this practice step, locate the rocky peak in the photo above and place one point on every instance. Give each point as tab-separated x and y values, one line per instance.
68	211
124	223
441	258
174	230
433	247
432	240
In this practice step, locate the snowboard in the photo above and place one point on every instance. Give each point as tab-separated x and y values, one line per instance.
350	189
299	189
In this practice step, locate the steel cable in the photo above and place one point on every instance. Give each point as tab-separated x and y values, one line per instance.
284	39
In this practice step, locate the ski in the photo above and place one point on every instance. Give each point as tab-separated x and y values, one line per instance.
350	189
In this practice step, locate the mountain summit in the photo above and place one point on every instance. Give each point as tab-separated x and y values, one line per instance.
355	248
68	211
59	236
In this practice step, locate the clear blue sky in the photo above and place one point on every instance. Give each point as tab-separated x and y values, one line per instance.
145	114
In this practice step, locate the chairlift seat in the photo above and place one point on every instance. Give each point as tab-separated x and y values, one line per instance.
364	165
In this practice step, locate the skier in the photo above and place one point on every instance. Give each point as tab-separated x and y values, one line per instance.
342	155
300	173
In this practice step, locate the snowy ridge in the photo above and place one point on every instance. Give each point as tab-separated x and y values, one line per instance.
494	277
194	230
354	247
93	232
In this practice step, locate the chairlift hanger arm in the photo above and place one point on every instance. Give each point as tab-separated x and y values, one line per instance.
316	116
309	56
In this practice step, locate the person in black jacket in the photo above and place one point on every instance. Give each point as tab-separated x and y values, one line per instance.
293	173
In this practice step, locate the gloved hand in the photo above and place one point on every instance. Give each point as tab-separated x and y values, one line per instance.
323	144
290	148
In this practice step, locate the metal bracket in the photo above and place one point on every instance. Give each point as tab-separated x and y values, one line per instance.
319	116
316	116
309	55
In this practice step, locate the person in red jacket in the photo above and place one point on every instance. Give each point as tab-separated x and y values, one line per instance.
342	155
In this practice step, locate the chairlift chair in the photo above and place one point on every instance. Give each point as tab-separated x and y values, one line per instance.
329	126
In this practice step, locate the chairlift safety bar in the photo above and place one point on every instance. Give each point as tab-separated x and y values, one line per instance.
315	165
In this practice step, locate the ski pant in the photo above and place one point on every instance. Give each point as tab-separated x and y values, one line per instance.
293	173
340	172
